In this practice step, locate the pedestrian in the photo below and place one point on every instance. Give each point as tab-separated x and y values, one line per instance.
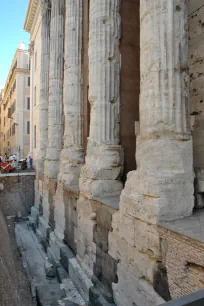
31	161
1	159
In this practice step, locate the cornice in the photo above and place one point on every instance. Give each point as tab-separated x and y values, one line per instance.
33	9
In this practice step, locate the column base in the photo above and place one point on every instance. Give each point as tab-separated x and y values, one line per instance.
161	189
71	161
100	188
100	177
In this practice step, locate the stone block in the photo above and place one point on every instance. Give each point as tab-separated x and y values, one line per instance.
127	229
100	188
66	254
134	291
49	295
61	274
72	292
80	279
50	270
147	239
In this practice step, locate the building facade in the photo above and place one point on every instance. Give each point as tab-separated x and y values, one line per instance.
119	77
33	26
15	110
1	120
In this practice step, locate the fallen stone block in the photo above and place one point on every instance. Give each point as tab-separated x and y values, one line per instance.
50	270
50	294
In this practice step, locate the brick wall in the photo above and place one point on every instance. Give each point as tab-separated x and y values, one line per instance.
184	260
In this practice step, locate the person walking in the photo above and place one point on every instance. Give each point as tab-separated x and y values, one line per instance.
31	161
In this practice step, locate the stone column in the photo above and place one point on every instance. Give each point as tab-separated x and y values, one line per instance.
44	83
55	108
101	174
162	187
72	155
31	49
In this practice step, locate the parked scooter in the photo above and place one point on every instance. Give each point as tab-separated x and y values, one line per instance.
22	164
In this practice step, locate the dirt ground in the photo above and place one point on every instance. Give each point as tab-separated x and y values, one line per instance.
14	286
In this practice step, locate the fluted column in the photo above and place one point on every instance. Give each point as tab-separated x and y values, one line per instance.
72	155
101	174
162	187
44	83
55	108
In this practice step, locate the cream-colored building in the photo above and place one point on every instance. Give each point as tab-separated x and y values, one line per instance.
33	26
15	115
1	120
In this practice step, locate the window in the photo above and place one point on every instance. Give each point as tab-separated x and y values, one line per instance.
28	127
13	129
34	98
28	103
36	60
28	82
13	108
35	136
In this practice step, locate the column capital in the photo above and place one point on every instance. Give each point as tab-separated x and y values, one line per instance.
31	47
45	5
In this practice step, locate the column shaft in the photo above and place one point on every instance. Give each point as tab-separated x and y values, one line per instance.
44	83
72	156
162	187
55	108
101	174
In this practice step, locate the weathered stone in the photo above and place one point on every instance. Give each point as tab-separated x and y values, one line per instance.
49	295
160	282
55	108
61	274
65	255
101	174
72	155
44	84
50	269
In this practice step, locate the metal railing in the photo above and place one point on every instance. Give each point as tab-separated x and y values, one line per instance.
194	299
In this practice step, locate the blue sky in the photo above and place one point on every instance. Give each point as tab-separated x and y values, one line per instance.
12	17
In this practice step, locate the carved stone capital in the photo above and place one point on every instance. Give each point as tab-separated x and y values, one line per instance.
45	5
31	47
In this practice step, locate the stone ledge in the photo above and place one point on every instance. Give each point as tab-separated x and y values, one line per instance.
191	227
112	201
18	174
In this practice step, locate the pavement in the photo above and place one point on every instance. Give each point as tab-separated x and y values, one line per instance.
14	286
48	288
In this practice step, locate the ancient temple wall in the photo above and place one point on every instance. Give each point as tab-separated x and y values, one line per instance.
196	65
162	186
113	238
